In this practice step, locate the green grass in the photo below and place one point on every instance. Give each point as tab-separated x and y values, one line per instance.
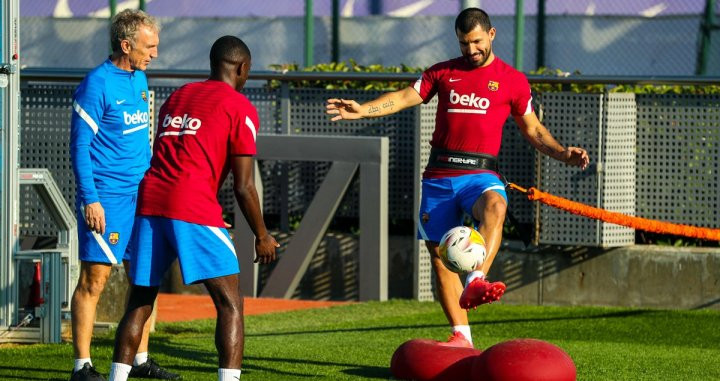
356	342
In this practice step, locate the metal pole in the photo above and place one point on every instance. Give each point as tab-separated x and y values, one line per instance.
9	157
141	6
309	33
113	12
706	29
519	34
376	7
335	31
540	47
284	167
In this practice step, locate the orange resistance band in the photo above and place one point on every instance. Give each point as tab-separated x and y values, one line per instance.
638	223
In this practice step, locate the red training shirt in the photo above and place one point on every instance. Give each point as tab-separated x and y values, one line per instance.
200	127
473	104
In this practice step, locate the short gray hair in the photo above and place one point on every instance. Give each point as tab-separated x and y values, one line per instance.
125	25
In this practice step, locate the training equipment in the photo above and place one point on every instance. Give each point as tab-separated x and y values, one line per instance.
639	223
524	360
480	291
461	249
426	360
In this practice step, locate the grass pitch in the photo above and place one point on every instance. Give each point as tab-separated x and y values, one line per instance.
356	342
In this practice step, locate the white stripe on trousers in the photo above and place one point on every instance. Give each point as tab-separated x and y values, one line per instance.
105	248
215	230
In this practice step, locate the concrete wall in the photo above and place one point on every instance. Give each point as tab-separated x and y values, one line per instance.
634	276
111	306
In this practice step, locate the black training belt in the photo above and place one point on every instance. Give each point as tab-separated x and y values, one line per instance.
443	158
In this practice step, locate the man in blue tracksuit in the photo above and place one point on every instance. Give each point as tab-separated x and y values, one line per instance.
110	152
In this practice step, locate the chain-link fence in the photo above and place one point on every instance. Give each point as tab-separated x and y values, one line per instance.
609	37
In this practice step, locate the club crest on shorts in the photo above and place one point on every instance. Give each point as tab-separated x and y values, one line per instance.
493	86
143	94
114	237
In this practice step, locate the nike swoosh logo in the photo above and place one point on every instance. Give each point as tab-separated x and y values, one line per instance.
594	39
455	79
347	10
120	101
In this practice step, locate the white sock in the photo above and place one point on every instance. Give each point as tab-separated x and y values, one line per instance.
79	363
119	371
465	330
475	274
225	374
140	358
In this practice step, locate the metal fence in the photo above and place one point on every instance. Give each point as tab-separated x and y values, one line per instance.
654	156
686	124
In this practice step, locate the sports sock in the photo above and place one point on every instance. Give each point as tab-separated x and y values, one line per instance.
119	371
475	274
465	330
79	363
140	358
225	374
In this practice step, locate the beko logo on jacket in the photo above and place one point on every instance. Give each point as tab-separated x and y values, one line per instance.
479	105
180	125
137	117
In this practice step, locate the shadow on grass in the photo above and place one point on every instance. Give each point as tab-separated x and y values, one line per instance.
618	314
206	361
192	358
369	372
707	305
207	364
53	373
366	372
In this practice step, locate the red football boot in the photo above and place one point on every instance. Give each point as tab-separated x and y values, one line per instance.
480	291
457	339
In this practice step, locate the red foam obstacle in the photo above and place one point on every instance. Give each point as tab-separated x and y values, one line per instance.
425	360
524	360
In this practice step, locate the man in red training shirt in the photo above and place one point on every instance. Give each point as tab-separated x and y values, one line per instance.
476	93
206	129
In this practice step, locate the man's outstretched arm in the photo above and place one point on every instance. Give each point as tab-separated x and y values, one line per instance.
543	141
249	202
386	104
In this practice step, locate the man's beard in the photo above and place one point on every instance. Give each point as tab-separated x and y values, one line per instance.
485	55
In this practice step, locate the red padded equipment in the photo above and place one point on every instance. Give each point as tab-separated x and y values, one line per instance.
425	360
523	360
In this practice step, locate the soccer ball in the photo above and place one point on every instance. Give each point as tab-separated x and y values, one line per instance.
461	249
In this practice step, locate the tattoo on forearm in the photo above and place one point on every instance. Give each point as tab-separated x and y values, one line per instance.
373	110
542	147
388	104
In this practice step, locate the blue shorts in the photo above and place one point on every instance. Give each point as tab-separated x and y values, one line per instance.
204	252
110	247
446	200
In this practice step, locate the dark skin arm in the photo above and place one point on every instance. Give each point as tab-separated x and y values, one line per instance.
247	198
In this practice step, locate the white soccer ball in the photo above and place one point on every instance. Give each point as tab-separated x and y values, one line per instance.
462	249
